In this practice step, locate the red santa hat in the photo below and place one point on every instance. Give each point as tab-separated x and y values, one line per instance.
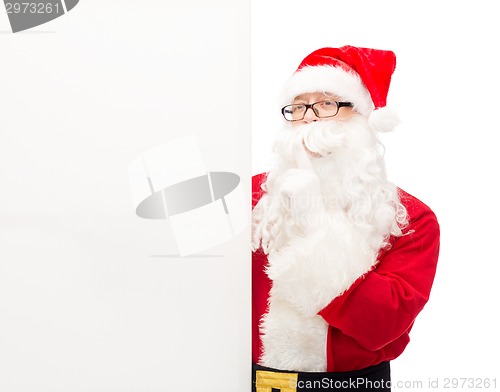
358	75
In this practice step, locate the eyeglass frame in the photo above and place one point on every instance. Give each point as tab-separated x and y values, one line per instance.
310	106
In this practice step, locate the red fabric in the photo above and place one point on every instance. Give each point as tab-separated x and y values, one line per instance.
371	321
375	67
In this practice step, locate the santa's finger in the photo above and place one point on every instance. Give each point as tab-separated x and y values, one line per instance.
302	157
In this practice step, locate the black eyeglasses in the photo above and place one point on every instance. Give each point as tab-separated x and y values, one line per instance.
321	109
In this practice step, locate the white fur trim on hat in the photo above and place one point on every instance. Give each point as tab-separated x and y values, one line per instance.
344	84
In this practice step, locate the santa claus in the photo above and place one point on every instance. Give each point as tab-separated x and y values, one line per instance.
343	260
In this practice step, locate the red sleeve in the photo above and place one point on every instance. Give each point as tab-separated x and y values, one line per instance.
257	190
382	305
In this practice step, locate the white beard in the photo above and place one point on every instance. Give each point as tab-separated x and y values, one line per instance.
309	271
352	176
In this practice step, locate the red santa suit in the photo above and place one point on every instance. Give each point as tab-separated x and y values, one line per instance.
337	299
370	322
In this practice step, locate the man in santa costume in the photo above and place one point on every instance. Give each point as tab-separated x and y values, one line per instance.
343	260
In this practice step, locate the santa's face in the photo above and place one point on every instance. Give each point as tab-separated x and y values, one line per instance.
337	140
347	159
345	113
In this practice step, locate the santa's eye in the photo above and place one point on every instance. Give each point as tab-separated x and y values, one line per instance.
328	104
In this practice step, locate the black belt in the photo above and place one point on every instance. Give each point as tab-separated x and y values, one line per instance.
374	379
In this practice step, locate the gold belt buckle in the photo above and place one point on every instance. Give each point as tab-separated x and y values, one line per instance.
265	381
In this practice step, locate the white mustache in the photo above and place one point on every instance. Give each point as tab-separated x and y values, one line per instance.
323	137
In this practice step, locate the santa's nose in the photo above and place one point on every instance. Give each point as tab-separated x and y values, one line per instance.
309	116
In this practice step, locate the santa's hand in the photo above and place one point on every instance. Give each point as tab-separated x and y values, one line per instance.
301	193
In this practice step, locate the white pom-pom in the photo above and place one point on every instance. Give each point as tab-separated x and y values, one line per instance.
383	120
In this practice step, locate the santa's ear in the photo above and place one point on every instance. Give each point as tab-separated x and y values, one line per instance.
383	120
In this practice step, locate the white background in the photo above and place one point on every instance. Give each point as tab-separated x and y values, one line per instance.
445	88
93	298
